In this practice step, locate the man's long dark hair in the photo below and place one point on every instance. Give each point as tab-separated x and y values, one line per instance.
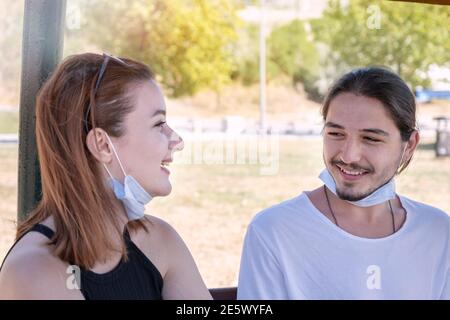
385	86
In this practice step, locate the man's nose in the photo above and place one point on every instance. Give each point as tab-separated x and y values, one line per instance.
351	152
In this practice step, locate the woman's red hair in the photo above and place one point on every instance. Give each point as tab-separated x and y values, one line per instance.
73	189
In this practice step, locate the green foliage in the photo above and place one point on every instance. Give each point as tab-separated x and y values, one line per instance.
9	122
291	53
186	42
246	54
406	37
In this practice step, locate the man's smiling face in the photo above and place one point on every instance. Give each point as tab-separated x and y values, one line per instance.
362	146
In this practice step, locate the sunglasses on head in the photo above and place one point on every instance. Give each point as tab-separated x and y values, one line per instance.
106	59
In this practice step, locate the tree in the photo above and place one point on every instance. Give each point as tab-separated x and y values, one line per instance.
406	37
291	53
186	42
246	54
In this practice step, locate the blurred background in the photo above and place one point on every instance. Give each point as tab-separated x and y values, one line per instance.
233	69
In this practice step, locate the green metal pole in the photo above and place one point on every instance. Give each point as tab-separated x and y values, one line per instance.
42	46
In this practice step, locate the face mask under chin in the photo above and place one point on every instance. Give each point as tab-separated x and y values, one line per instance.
132	195
382	194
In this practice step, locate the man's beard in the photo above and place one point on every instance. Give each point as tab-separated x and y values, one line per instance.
342	194
356	197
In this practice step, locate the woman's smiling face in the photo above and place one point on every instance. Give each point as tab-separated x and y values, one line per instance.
148	143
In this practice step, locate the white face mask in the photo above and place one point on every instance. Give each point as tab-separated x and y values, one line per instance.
131	193
382	194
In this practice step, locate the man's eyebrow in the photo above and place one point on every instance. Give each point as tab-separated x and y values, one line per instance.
369	130
376	131
159	111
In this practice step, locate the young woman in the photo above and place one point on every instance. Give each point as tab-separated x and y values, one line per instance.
104	146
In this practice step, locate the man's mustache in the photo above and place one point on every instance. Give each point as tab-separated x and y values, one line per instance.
352	166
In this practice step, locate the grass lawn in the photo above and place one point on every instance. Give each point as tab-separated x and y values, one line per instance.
211	205
9	122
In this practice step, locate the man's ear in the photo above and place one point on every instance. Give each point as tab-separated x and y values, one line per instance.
412	144
98	144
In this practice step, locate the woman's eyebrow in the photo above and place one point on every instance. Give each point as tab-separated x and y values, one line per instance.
330	124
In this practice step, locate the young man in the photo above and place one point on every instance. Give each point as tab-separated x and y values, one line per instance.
354	237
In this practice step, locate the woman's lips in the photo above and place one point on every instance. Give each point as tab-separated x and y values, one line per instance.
165	164
165	170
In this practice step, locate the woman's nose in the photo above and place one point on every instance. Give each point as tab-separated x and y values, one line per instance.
180	144
176	142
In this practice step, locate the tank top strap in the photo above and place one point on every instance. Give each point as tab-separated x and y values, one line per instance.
46	231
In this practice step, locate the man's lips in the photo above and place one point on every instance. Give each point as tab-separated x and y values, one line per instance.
351	174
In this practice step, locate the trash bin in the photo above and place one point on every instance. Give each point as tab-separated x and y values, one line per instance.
442	147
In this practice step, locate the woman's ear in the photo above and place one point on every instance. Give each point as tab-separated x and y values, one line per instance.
98	144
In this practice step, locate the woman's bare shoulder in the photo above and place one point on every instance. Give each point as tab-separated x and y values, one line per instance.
156	242
182	279
31	271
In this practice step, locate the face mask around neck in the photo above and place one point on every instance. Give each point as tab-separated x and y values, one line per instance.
383	194
132	195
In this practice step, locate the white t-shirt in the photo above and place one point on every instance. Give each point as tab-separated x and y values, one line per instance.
292	251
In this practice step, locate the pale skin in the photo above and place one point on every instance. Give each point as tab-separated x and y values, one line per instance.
33	272
361	137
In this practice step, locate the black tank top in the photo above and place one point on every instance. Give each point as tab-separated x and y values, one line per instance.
135	279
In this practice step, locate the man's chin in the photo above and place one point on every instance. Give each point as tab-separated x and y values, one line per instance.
351	196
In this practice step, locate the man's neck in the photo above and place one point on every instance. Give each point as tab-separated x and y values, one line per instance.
366	215
368	222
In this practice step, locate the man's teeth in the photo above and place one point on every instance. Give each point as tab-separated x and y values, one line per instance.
352	173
